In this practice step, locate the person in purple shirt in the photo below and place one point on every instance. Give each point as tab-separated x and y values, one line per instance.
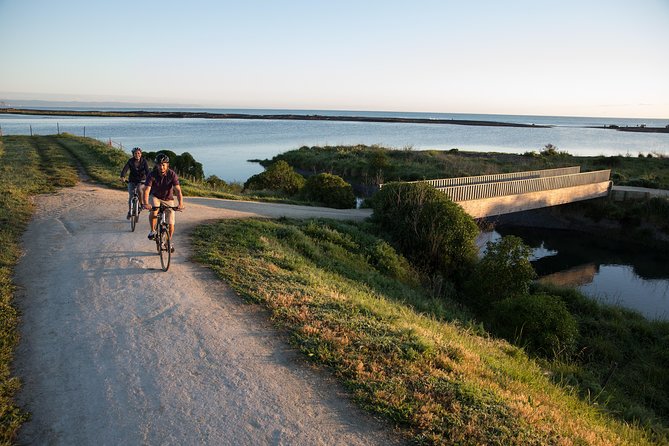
159	187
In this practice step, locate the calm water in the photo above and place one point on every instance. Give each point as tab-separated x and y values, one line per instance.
225	146
606	272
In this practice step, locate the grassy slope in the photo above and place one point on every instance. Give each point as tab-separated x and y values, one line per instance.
349	302
27	166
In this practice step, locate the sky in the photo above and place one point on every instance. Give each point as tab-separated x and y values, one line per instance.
604	58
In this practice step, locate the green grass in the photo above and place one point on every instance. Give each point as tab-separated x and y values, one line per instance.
359	311
28	166
369	165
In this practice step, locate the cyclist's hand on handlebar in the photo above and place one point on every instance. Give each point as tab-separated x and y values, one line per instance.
181	207
146	206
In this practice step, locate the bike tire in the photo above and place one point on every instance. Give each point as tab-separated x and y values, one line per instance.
134	212
165	249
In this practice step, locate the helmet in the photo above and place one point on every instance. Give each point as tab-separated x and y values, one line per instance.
136	149
162	158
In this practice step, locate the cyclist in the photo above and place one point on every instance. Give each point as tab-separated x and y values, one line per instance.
139	169
158	189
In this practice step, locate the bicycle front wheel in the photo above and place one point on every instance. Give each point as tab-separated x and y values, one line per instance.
133	215
165	249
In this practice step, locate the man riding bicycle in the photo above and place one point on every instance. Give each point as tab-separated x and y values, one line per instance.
158	189
139	169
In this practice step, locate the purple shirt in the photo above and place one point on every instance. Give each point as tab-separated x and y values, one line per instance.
161	185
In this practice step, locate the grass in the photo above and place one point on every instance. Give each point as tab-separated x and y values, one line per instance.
436	375
366	166
28	166
351	303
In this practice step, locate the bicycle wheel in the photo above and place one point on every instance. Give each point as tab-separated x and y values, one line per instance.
133	214
165	248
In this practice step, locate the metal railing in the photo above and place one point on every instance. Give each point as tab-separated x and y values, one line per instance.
522	186
496	177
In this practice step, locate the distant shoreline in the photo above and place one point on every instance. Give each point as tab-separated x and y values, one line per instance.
300	117
290	117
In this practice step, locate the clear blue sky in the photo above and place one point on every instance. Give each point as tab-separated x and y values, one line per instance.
563	57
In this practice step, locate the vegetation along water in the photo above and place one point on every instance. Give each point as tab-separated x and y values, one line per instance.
403	318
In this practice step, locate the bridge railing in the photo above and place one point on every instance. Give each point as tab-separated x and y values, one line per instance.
523	186
491	178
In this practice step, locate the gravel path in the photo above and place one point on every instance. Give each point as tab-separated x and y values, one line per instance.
116	352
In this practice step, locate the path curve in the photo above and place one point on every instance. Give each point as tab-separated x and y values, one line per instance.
115	351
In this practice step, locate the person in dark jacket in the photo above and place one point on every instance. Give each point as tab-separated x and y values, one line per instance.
139	169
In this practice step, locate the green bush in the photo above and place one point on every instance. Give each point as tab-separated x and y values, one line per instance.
330	190
186	165
428	228
278	176
504	271
540	323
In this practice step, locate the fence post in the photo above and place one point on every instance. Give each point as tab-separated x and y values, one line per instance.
31	130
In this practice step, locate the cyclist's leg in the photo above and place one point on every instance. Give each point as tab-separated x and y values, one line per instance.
171	218
153	201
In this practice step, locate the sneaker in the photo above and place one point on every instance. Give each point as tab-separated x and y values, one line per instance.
127	217
152	235
171	248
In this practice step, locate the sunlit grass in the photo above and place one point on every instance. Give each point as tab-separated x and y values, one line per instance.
437	377
28	166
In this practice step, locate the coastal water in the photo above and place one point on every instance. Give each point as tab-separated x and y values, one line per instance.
604	271
225	146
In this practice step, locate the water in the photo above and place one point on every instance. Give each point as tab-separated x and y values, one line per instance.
610	274
224	146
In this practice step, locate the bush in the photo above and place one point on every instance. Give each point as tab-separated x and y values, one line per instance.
428	228
185	164
279	177
540	323
330	190
504	271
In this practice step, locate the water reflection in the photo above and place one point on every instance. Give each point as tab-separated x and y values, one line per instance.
604	270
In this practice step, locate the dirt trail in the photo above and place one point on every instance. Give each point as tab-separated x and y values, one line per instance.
115	351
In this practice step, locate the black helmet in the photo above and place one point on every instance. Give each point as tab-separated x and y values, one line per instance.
162	158
136	149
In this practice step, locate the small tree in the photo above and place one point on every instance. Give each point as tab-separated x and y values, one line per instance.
185	164
431	230
504	271
278	176
330	190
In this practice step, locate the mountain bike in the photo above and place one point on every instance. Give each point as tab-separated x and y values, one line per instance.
162	237
135	208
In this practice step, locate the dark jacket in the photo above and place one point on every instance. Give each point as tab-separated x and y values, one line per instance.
138	170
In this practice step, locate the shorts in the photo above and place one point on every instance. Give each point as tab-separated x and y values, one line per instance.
169	214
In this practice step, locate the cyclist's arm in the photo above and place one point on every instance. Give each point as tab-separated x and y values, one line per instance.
180	196
147	191
124	171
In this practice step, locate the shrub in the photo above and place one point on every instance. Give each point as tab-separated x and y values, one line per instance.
504	271
185	164
428	228
330	190
278	176
540	323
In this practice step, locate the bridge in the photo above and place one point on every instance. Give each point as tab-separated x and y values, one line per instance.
497	194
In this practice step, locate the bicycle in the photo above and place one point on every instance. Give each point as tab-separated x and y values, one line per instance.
135	208
162	235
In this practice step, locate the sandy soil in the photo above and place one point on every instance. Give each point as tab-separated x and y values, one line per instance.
115	351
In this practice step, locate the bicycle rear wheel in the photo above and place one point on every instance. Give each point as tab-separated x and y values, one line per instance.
165	248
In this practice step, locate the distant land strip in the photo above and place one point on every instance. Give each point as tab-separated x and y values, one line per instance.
298	117
290	117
